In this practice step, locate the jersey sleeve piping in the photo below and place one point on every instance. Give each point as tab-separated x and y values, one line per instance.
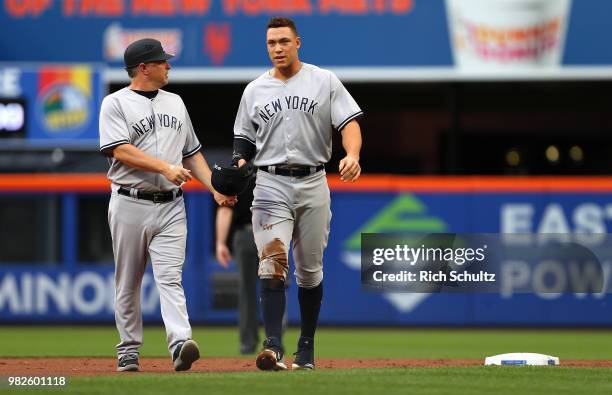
113	144
241	136
192	152
349	119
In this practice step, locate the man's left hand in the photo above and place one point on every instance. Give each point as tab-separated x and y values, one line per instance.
349	169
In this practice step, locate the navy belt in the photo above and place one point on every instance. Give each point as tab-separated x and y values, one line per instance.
155	197
292	171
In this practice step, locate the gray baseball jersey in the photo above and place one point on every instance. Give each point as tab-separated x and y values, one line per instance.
160	127
140	228
292	121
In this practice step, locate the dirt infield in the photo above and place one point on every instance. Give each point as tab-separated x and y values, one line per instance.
98	366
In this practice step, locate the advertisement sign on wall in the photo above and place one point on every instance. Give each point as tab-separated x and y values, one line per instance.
78	292
470	34
508	34
60	102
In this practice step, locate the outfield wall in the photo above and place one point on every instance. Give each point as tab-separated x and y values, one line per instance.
70	290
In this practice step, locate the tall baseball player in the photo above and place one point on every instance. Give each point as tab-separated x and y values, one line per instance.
153	150
285	122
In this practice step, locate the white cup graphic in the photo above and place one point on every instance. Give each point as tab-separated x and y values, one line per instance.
491	35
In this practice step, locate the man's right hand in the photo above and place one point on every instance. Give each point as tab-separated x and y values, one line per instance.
223	200
223	255
241	162
177	174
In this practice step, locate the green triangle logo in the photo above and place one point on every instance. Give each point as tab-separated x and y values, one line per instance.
405	213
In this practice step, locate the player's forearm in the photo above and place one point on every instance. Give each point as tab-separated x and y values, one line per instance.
199	168
134	157
244	150
351	139
222	224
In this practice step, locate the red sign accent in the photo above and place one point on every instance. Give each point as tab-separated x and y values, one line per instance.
93	8
23	8
217	41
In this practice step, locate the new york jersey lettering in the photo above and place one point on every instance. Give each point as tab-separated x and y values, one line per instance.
145	125
298	103
169	121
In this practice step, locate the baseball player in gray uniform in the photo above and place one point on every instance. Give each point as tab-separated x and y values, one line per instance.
153	150
285	123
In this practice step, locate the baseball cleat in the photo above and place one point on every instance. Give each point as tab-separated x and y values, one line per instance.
271	357
185	354
304	357
128	363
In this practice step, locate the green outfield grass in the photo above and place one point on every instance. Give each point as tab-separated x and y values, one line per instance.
341	343
331	342
422	381
472	380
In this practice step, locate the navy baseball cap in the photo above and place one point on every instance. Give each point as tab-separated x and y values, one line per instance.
144	51
232	181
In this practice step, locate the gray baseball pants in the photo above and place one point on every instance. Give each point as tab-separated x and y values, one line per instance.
141	229
291	211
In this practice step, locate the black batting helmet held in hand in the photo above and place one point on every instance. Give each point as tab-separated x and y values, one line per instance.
232	181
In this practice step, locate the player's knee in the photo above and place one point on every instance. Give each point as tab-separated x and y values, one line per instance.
168	280
309	279
273	261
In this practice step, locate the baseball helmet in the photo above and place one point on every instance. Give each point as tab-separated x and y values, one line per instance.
232	181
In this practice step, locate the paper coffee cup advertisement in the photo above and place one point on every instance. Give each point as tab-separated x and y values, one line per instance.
499	35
